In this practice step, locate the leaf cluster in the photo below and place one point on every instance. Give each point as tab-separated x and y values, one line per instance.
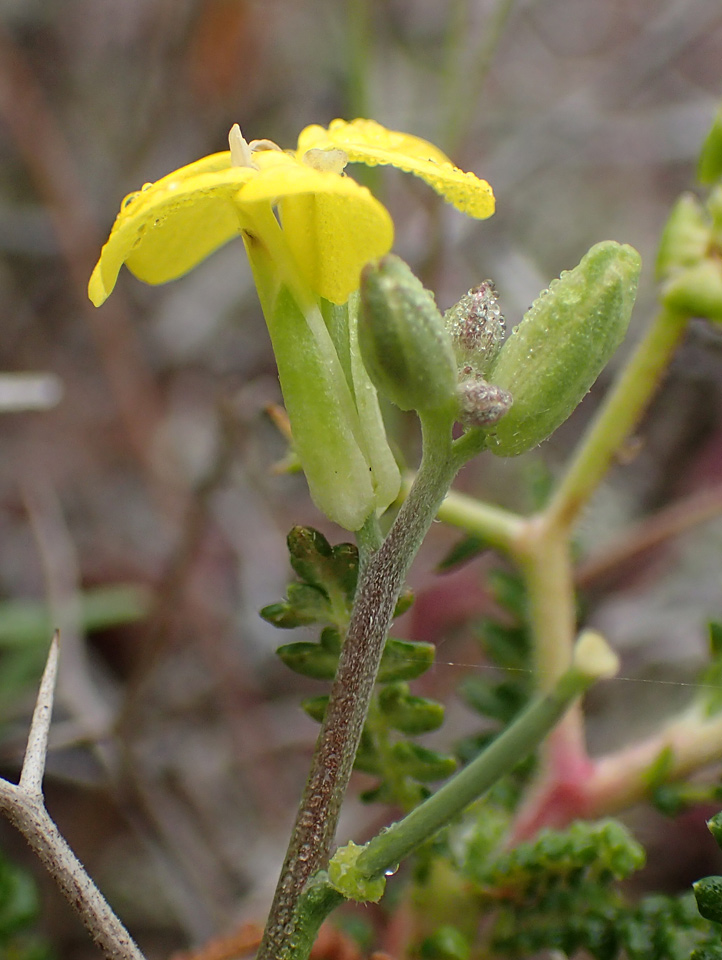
323	595
560	892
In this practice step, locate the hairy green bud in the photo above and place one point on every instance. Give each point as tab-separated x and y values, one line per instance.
686	236
562	344
696	292
477	329
404	343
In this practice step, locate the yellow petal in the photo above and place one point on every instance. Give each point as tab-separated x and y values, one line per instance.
332	225
366	141
368	133
171	225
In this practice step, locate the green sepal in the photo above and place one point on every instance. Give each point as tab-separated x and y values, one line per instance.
409	714
346	878
405	660
413	760
714	825
404	343
696	291
309	659
305	604
563	343
685	238
316	562
325	424
709	167
708	894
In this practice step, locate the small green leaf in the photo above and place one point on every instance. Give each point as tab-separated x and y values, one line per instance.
413	760
331	640
708	894
315	707
309	659
714	825
409	714
501	701
405	660
405	601
305	605
509	591
462	552
367	760
321	565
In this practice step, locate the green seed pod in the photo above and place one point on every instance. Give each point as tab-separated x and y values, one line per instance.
562	344
685	238
404	344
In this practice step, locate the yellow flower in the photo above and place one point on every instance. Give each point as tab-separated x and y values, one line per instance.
331	225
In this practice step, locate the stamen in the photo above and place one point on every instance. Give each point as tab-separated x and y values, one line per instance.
264	145
240	151
332	160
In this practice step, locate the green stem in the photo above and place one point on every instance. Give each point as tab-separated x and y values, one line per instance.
501	528
547	567
380	581
387	849
617	418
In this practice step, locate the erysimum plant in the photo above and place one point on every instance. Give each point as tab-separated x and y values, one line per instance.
348	319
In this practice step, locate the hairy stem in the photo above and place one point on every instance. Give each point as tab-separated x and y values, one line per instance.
380	581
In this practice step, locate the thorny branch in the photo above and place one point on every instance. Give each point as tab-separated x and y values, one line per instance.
24	806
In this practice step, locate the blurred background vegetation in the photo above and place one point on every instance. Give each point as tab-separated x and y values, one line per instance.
141	513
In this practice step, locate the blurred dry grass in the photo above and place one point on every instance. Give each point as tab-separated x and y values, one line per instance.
154	469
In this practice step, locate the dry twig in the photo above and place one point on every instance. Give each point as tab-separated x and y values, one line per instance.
24	806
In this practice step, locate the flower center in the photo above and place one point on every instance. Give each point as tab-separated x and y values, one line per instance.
242	151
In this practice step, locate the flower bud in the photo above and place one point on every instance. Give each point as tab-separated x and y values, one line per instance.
477	327
696	292
481	404
686	236
562	344
404	344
